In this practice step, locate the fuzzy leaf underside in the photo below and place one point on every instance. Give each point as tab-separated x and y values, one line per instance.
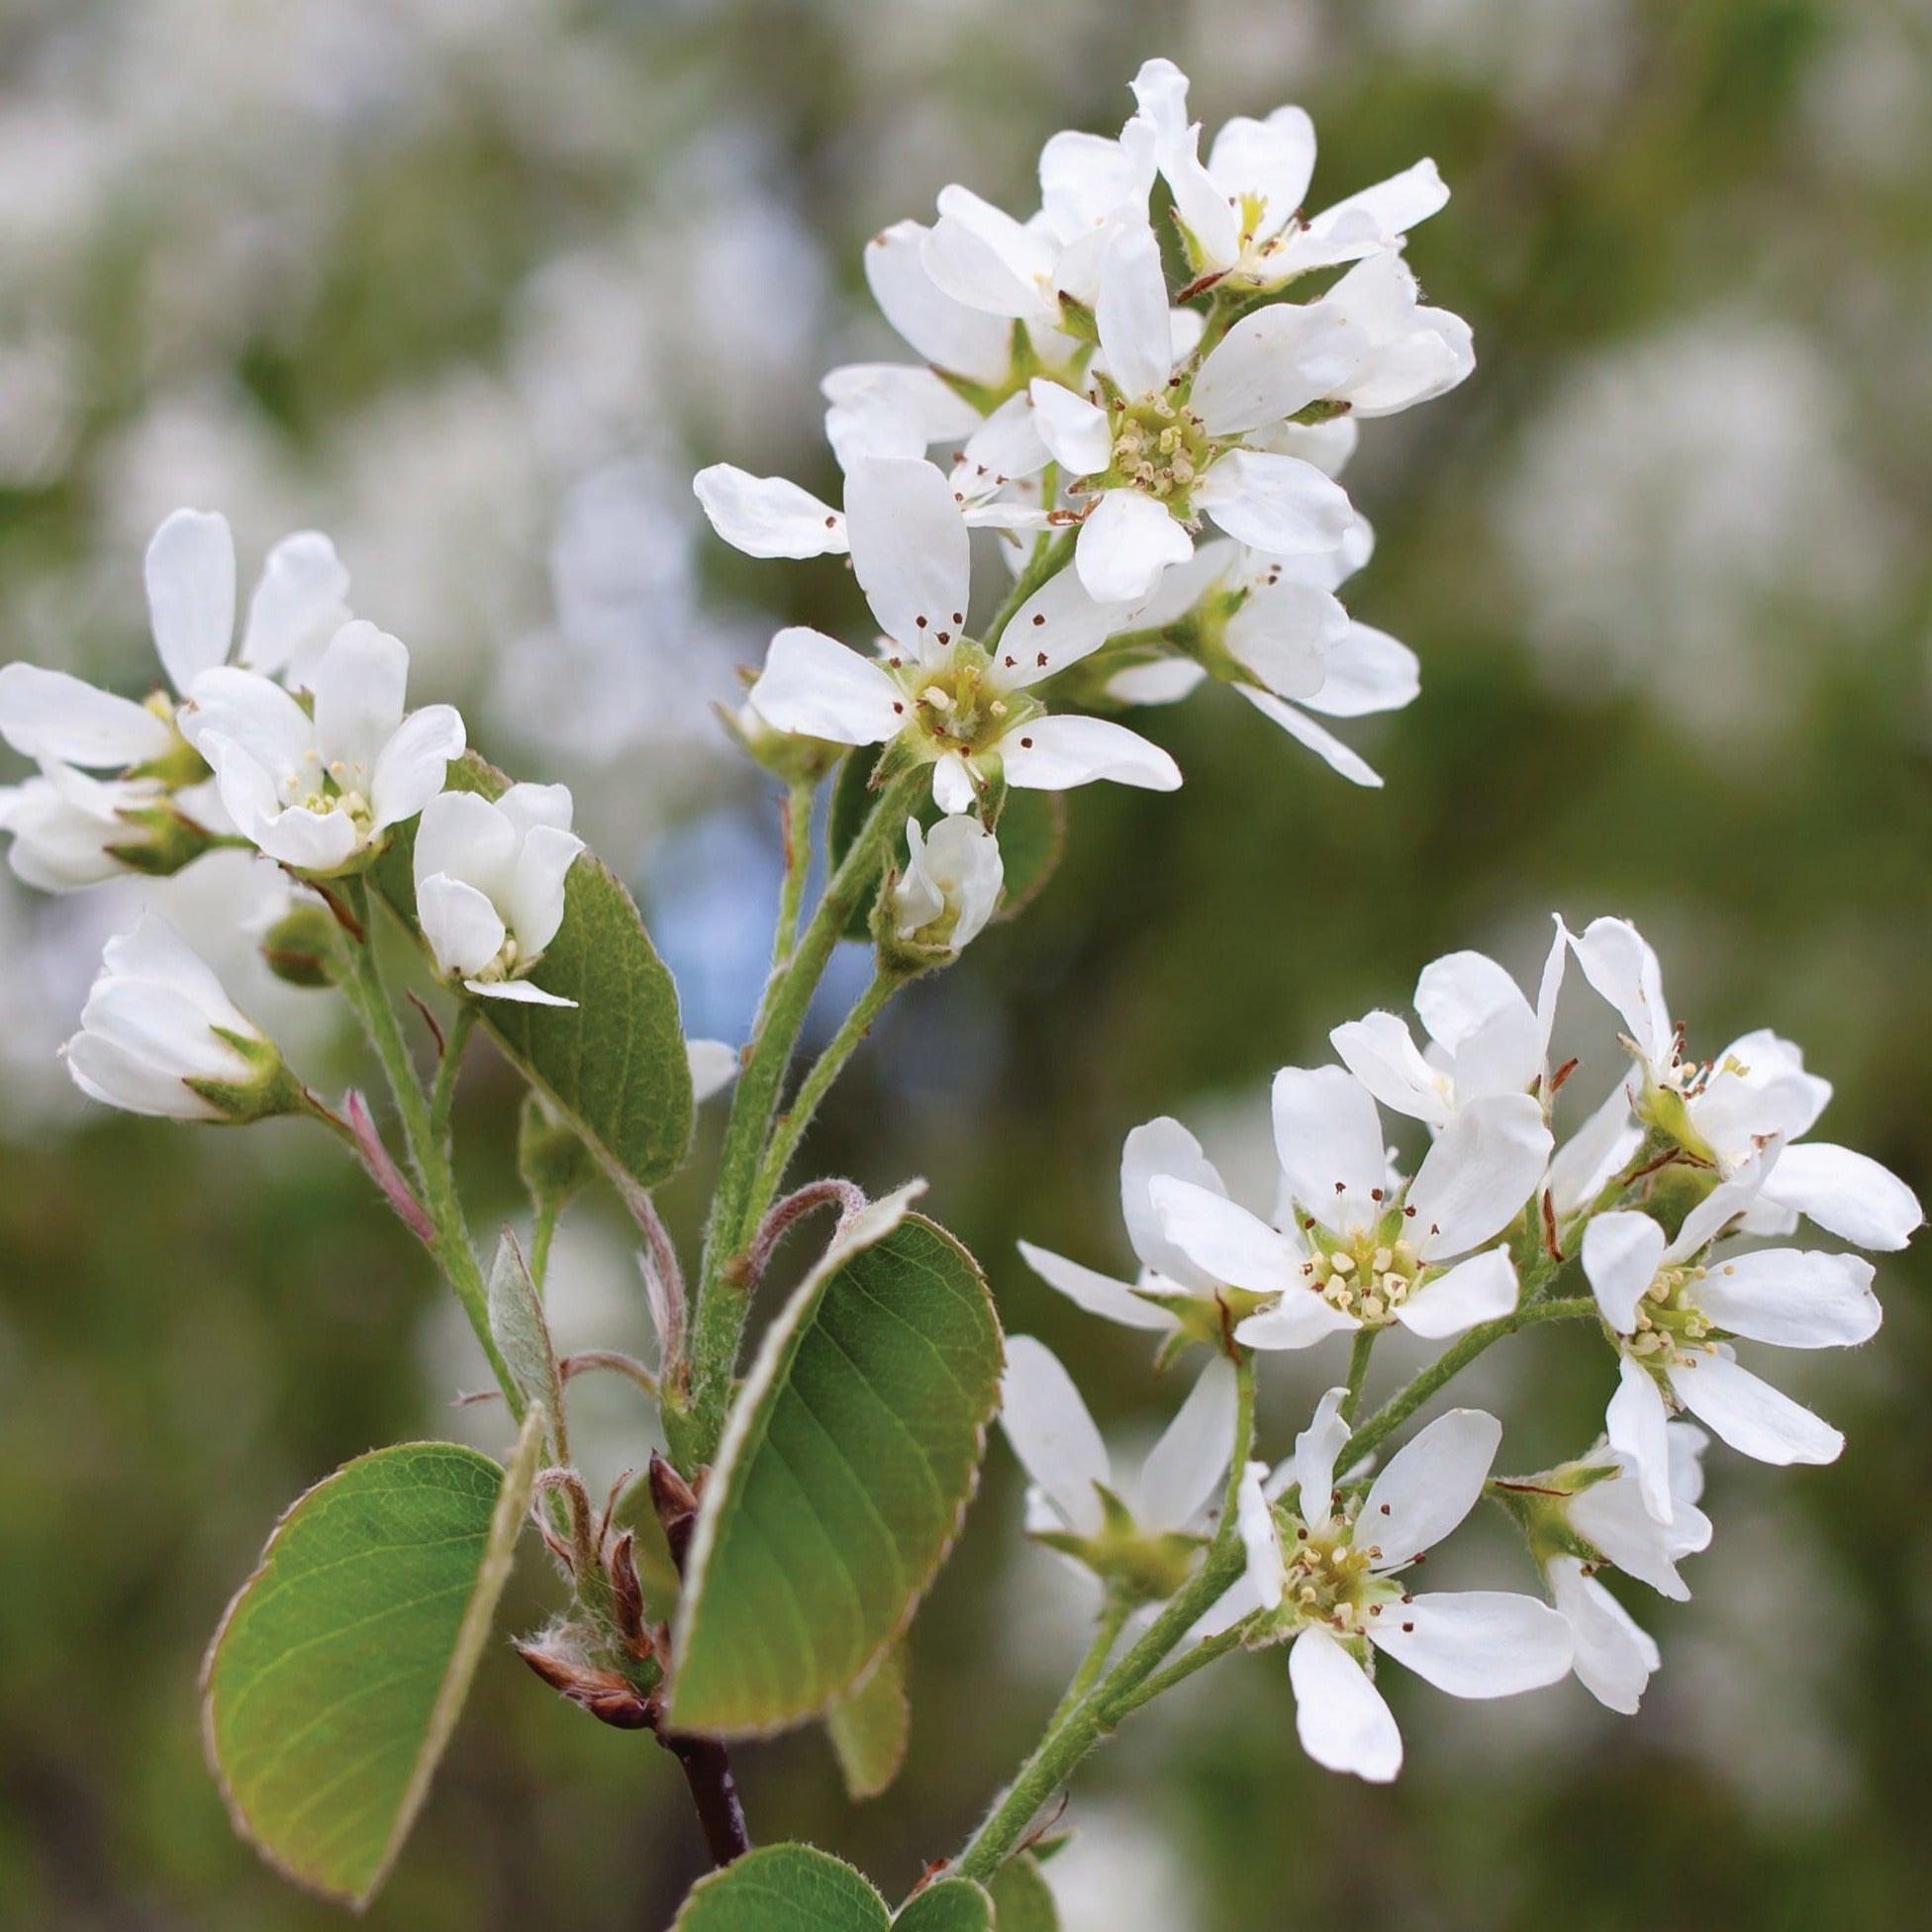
614	1064
338	1673
846	1466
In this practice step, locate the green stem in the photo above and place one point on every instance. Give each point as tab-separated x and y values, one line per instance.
436	1184
829	1064
1358	1369
541	1235
1113	1619
443	1098
1450	1364
1184	1667
798	864
1050	554
1127	1686
693	1411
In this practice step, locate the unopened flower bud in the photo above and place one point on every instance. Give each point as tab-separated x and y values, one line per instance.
299	947
948	891
159	1035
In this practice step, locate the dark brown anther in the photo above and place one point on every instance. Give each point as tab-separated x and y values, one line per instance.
1550	1247
1561	1074
676	1503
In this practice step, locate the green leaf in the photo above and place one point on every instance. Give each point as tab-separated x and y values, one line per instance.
951	1906
847	1462
336	1677
1022	1901
784	1889
798	1889
870	1727
614	1064
1032	832
523	1336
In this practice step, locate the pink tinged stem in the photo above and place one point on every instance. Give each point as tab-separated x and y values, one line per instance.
383	1169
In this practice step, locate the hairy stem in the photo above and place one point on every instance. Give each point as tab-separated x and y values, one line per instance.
694	1413
796	820
442	1099
1450	1364
1358	1370
1107	1631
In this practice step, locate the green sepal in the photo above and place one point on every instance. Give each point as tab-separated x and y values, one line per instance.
552	1161
169	841
1137	1566
300	948
272	1090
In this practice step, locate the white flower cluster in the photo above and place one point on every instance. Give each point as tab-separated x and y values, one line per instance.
297	743
1097	409
1669	1202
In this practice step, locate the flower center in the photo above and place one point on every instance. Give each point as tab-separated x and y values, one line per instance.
334	788
1671	1327
1369	1274
959	705
1330	1580
1161	447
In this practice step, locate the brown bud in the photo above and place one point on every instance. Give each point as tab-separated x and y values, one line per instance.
676	1502
608	1698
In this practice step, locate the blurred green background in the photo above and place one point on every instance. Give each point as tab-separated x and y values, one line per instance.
474	284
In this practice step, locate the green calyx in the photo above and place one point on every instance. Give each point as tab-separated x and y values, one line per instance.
300	947
267	1089
1540	1508
1329	1579
1366	1273
551	1158
1160	448
180	764
1026	362
1139	1566
161	841
1207	1319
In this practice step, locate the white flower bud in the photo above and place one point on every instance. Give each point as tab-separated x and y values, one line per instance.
159	1035
952	884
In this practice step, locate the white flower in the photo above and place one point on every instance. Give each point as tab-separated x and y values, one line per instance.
297	605
1325	1576
945	699
1241	213
490	886
1666	1308
159	1035
952	336
318	792
70	829
1366	1249
1756	1089
1139	1534
950	886
1409	354
1153	452
1484	1037
1154	1301
1273	628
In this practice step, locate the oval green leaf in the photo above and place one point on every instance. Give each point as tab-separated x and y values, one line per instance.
784	1889
951	1906
614	1064
848	1463
869	1729
1022	1901
337	1674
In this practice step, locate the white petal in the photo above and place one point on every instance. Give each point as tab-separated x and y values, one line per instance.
1085	178
1185	1467
1339	1715
1379	1050
106	1071
1300	1319
1482	1289
1053	754
1614	1657
255	711
1166	681
1280	505
1315	1451
535	903
1128	541
908	550
1848	1193
415	763
1584	1163
361	686
1156	1147
1075	430
1097	1294
768	516
464	931
299	603
1622	1252
1272	160
1329	1137
1056	627
1612	1516
1755	1418
1618	962
1005	445
522	991
1635	1423
814	683
1225	1240
1051	1432
1792	1298
1459	992
1474	1182
1260	1536
714	1066
953	788
49	715
469	838
1283	635
981	257
1431	1485
1273	362
1304	730
1477	1643
1376	218
1366	671
1131	314
190	574
948	333
310	841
